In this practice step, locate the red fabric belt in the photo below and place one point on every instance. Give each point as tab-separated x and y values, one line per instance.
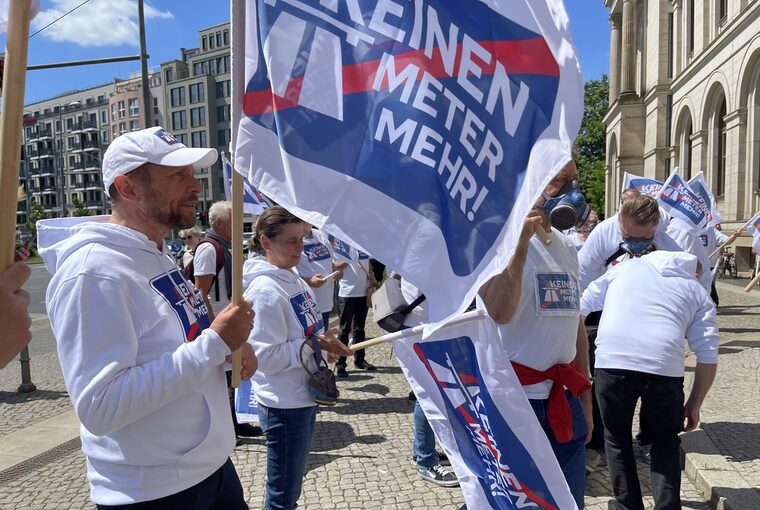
563	375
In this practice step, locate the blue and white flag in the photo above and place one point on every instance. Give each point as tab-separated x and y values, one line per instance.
645	185
698	185
679	200
480	414
253	201
419	132
246	407
753	227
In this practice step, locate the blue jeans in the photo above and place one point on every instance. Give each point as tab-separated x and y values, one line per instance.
571	456
220	491
423	448
288	438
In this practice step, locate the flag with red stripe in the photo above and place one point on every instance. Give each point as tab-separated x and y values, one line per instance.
420	132
482	419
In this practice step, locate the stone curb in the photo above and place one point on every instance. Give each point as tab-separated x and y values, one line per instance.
714	476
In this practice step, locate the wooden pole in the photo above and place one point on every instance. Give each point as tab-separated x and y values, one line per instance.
237	260
752	283
406	333
543	234
11	118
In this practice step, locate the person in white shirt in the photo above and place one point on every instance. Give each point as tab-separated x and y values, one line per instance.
650	305
536	302
141	359
317	262
212	262
285	336
711	238
352	291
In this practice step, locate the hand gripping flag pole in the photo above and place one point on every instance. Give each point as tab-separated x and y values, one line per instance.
14	80
735	235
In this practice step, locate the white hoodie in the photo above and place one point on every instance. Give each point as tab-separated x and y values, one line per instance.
145	377
286	313
650	304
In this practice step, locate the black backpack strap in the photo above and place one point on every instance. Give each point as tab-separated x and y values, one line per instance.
620	251
414	304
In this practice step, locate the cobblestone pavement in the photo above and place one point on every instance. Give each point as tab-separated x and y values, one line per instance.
361	453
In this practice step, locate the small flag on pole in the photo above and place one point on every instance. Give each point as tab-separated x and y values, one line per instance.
678	199
645	185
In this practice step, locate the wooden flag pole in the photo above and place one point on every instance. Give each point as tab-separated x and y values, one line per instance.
237	261
752	283
730	240
11	118
406	333
543	234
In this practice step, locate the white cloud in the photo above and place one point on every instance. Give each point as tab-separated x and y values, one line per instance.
97	23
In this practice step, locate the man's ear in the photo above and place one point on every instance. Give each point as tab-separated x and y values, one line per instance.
125	188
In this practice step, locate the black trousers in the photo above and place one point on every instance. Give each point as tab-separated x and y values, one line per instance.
353	316
660	419
597	435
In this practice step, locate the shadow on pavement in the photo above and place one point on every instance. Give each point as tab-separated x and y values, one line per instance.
12	397
381	405
738	310
378	389
739	442
336	435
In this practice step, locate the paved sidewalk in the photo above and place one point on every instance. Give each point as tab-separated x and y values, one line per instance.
361	454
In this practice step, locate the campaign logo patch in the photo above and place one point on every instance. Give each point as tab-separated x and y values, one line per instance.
363	256
166	136
340	248
436	105
703	238
556	292
488	446
316	251
305	307
185	300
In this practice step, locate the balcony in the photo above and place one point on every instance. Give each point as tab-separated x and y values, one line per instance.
91	145
44	133
84	125
92	165
77	166
45	171
41	153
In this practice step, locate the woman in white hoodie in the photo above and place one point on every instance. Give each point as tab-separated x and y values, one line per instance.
287	322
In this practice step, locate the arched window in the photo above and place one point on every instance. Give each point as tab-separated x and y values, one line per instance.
720	169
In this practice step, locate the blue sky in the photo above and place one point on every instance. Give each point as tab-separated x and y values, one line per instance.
107	28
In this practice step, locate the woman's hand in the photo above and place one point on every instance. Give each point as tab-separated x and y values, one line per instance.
329	342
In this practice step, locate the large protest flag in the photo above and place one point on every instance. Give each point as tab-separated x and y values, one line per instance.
753	227
698	185
645	185
679	200
253	201
419	132
481	416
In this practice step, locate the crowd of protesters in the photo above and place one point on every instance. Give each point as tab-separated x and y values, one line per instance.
144	346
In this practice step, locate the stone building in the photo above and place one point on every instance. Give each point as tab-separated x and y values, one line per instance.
685	92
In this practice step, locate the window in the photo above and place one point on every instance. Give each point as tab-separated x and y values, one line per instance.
179	120
197	117
197	69
226	36
104	116
690	28
197	93
199	139
104	136
182	137
203	43
169	75
134	109
178	96
670	45
722	11
69	124
226	60
134	125
218	39
122	128
122	109
113	110
223	137
720	180
222	89
211	41
223	113
70	142
58	126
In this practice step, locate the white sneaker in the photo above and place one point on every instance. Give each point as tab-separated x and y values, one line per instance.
439	475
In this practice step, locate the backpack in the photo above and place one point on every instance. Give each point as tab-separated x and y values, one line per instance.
189	270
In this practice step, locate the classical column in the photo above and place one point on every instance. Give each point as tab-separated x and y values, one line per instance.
614	57
628	69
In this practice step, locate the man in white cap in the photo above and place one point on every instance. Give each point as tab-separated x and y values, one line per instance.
142	364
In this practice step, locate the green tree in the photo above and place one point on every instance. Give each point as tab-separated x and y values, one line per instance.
38	213
79	209
591	142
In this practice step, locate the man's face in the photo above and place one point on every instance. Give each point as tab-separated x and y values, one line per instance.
629	228
568	173
170	195
223	227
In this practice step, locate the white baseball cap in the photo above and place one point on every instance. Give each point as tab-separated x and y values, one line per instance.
152	145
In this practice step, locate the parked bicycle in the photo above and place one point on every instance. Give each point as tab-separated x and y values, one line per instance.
727	265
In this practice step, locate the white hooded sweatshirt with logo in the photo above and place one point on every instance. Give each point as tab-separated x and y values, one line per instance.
650	305
144	375
286	314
